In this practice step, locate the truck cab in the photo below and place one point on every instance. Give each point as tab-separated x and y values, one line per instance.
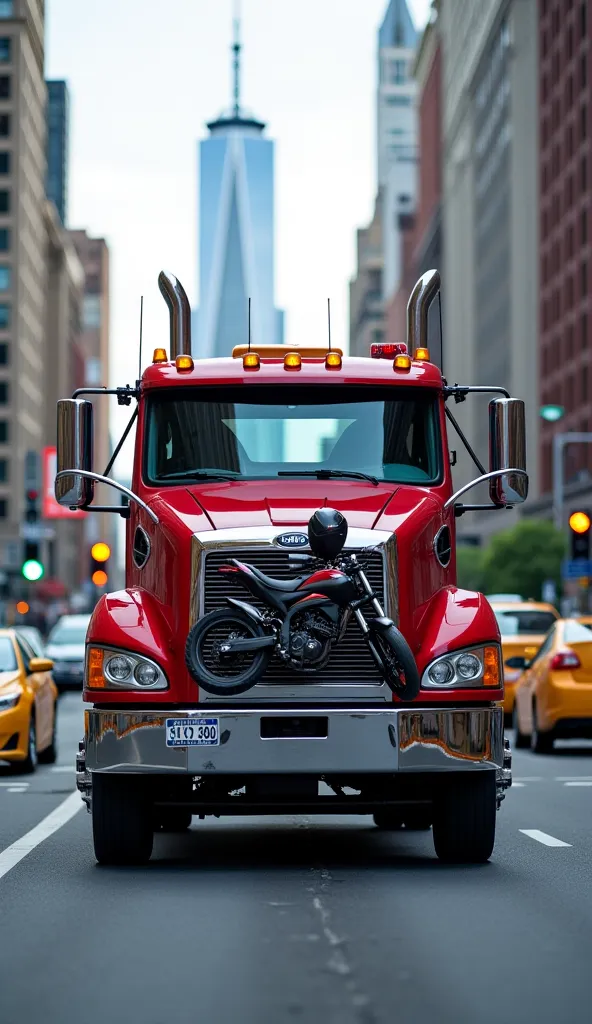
232	458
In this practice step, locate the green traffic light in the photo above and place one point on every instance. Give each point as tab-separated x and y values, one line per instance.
32	570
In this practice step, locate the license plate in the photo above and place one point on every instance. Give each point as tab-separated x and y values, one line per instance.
192	732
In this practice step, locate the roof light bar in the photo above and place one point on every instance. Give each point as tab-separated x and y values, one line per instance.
387	350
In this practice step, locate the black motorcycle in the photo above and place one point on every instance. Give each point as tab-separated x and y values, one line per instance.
229	649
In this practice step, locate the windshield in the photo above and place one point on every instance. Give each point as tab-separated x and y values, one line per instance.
515	623
67	634
355	429
7	655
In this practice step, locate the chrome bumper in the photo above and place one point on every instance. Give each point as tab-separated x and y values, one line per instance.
357	741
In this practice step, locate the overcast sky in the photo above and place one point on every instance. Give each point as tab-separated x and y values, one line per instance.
144	78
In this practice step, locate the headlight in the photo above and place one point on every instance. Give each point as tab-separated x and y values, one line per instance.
9	700
108	669
477	667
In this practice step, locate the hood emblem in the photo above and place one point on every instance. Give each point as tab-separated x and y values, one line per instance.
292	540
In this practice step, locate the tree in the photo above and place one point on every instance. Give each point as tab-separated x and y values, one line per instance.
520	559
469	567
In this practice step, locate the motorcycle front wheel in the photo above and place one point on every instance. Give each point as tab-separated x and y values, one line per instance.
224	674
395	659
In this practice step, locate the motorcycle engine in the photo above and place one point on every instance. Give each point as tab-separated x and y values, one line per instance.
310	641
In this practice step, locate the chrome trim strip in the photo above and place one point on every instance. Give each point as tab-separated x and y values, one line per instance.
364	739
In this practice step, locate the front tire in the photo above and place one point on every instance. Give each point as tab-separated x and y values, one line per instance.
521	741
230	675
464	819
121	819
395	658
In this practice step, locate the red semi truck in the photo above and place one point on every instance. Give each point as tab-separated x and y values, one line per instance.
291	638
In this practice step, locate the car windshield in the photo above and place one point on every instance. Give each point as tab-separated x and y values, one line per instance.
515	623
8	661
67	634
392	436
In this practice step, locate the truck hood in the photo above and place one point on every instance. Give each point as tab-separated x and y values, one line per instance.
293	502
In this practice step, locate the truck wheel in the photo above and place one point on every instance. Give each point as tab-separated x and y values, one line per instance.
464	819
172	819
521	741
121	817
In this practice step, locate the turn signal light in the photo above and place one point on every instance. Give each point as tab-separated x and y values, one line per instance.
96	679
491	665
160	356
333	361
184	364
422	355
402	363
292	361
251	361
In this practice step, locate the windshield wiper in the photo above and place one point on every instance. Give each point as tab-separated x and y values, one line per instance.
326	474
200	474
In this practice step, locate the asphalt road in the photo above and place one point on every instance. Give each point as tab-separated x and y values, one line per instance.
286	920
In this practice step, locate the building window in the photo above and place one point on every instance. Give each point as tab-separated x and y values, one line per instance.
584	230
397	72
4	87
5	45
3	470
583	71
4	279
4	200
3	392
3	431
91	311
584	117
584	383
584	324
4	126
5	163
398	101
3	353
4	239
584	272
4	315
5	8
3	508
583	19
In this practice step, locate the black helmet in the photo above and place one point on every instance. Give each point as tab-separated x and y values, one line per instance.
327	532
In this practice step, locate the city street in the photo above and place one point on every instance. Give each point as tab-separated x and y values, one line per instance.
320	920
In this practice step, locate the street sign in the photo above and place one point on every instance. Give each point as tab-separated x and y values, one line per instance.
51	508
576	569
36	531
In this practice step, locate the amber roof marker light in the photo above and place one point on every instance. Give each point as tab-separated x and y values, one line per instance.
184	364
402	362
160	356
422	355
251	361
292	361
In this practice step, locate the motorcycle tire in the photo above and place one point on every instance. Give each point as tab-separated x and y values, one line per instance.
402	677
197	657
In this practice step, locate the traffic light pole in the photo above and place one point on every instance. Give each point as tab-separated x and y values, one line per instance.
559	443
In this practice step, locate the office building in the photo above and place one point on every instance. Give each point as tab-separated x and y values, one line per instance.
366	308
57	146
236	232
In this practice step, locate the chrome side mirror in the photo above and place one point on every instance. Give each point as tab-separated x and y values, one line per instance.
507	450
74	451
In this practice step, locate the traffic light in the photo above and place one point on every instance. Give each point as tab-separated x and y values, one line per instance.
32	568
99	558
579	528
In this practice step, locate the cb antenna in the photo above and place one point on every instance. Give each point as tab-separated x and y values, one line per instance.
249	324
141	320
329	320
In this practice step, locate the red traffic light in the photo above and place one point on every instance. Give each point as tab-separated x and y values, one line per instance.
32	495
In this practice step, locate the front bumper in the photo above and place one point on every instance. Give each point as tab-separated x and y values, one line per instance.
357	740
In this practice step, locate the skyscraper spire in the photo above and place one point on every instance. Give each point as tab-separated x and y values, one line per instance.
236	49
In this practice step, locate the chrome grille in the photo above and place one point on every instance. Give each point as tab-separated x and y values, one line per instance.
350	662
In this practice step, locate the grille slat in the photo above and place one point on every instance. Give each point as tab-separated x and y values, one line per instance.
350	662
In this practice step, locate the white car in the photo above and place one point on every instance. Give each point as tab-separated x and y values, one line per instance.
66	648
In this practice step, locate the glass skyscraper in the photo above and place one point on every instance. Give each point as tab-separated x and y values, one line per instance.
236	233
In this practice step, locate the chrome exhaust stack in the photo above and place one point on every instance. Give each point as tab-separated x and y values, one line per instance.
420	300
176	299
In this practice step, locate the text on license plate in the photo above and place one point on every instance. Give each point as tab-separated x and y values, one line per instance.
192	732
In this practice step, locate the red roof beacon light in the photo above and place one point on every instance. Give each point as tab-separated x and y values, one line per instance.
387	350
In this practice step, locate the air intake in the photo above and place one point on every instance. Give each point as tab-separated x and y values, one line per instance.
443	546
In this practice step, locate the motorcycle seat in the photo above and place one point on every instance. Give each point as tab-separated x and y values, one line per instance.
287	586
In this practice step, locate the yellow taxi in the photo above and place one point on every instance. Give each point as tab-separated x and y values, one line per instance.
554	695
28	705
523	626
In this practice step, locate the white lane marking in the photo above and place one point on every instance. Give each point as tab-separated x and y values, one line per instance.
15	782
11	856
573	778
16	789
519	784
543	837
528	778
63	768
579	783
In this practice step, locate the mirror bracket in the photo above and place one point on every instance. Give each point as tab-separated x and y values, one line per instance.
86	474
494	474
